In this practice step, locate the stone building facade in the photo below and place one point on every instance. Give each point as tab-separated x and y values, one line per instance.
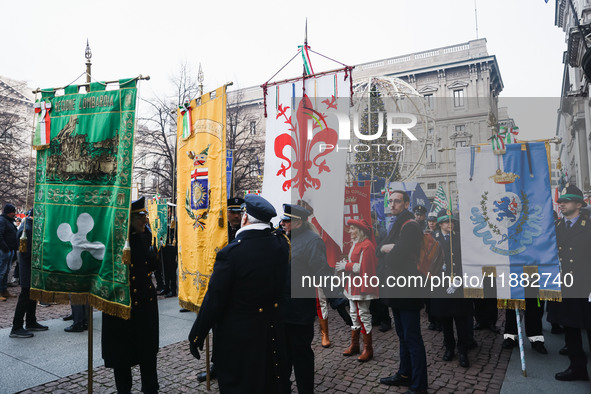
460	84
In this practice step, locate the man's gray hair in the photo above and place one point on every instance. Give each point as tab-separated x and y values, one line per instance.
253	220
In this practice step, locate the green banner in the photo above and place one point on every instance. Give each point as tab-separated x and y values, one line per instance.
82	198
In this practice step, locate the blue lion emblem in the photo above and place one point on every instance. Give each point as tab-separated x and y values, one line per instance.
506	208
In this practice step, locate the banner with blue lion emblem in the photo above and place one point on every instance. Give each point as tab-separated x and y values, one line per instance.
507	224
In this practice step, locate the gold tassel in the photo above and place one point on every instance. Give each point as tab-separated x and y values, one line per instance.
126	258
22	244
510	304
550	295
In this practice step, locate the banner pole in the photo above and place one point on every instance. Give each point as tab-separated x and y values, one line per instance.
90	347
520	335
207	368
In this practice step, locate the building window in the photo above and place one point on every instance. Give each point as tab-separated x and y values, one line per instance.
458	98
4	165
253	169
430	153
429	99
431	186
253	127
461	143
460	129
6	137
143	183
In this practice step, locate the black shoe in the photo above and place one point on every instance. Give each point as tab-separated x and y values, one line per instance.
162	292
202	377
509	343
464	360
36	327
396	380
478	326
448	355
75	328
183	310
563	351
494	328
69	317
431	326
385	326
539	347
20	333
411	391
472	345
570	375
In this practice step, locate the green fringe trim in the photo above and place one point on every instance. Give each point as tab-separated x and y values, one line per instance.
109	307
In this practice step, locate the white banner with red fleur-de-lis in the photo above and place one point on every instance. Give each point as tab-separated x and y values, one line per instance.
304	157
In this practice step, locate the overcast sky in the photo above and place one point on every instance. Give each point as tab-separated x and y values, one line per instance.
246	42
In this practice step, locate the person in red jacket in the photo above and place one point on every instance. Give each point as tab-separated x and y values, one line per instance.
360	267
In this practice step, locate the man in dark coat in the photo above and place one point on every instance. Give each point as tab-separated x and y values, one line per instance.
126	343
308	260
234	218
243	302
448	303
25	306
573	236
8	247
399	254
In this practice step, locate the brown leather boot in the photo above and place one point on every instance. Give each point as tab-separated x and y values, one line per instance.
367	349
354	347
324	332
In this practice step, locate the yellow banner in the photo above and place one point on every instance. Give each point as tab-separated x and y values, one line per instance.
201	194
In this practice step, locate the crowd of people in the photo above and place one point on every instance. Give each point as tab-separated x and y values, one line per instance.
256	304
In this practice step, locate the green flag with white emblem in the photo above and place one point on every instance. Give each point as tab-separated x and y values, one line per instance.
83	197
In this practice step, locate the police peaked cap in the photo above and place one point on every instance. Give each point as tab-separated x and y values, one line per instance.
235	204
292	211
419	209
259	208
443	216
572	193
139	206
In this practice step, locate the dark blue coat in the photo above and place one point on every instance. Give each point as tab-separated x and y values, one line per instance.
574	251
243	301
8	239
449	305
407	238
308	259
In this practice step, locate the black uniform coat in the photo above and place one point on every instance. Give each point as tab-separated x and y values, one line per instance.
24	258
129	342
308	259
450	305
243	302
401	260
574	251
8	240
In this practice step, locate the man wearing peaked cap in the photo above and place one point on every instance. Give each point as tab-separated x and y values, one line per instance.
573	236
243	301
420	216
308	259
126	343
234	217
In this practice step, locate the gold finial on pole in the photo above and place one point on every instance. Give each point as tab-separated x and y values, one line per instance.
88	56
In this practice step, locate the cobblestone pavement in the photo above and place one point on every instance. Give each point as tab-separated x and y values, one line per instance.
177	369
334	373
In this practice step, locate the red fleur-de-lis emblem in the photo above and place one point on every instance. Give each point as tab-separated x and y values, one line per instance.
302	147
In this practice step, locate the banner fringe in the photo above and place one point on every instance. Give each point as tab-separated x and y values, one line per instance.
110	308
510	304
473	293
551	295
189	306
